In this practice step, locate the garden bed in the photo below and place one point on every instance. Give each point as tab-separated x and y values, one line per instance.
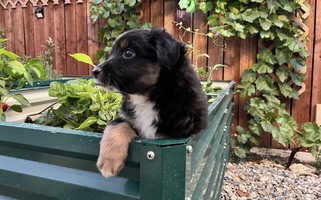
39	162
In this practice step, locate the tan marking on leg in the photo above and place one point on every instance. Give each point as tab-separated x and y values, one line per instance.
114	148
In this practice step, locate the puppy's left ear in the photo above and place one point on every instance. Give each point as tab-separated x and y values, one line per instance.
168	49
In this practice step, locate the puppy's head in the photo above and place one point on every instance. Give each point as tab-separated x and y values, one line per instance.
136	60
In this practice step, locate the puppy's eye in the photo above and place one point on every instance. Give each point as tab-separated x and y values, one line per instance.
129	53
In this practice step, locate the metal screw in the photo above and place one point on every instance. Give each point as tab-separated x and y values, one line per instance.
189	149
150	155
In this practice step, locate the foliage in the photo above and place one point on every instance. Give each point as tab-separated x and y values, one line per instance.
13	71
271	21
46	60
121	16
83	106
204	72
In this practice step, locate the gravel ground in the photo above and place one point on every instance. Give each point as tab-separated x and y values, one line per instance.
265	178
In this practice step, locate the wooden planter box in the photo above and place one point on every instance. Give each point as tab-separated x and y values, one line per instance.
39	162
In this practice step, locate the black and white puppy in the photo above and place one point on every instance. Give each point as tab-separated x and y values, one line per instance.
162	96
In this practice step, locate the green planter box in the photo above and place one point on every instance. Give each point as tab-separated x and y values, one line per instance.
39	162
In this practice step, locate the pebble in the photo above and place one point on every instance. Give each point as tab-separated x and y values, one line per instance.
265	179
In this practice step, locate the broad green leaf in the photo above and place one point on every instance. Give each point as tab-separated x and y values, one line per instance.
241	153
9	54
250	15
265	84
83	58
17	67
283	73
191	7
21	99
130	2
282	56
248	76
87	123
265	24
246	89
297	63
297	78
16	108
262	68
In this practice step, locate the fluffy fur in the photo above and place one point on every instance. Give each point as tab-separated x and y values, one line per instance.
162	96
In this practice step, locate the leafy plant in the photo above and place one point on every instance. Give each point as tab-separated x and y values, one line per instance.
121	16
83	106
271	21
46	60
12	71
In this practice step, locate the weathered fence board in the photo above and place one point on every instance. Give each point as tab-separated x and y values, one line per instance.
68	23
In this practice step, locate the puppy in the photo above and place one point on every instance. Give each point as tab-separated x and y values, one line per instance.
162	96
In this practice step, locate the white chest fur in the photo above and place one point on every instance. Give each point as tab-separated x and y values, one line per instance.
145	116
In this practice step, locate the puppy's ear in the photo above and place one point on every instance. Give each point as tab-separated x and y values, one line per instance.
168	49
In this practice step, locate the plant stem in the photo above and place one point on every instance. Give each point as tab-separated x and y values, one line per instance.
293	152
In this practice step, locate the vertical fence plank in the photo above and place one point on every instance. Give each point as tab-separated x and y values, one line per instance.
146	8
19	42
232	71
248	52
316	89
157	13
301	109
170	8
29	30
92	34
60	39
39	25
81	19
200	41
71	35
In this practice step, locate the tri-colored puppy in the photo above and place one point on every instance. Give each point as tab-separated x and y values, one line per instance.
162	96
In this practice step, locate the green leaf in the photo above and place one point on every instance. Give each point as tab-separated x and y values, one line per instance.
9	54
265	84
184	3
265	24
297	63
240	152
191	7
83	58
21	99
17	67
16	108
283	73
249	15
287	91
130	2
282	56
203	7
248	76
262	68
297	78
246	89
87	123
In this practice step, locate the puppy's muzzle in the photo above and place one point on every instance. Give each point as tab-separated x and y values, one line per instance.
96	71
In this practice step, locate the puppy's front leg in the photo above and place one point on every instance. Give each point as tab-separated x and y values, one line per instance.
114	148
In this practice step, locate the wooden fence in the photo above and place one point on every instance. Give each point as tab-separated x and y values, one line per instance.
68	23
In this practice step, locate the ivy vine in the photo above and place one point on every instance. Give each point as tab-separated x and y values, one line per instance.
266	82
121	15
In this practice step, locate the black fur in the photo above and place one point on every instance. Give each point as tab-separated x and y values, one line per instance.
160	72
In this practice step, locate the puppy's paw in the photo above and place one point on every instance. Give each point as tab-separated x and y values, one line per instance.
114	148
109	164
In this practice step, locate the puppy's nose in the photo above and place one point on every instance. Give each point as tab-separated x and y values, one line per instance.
96	71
